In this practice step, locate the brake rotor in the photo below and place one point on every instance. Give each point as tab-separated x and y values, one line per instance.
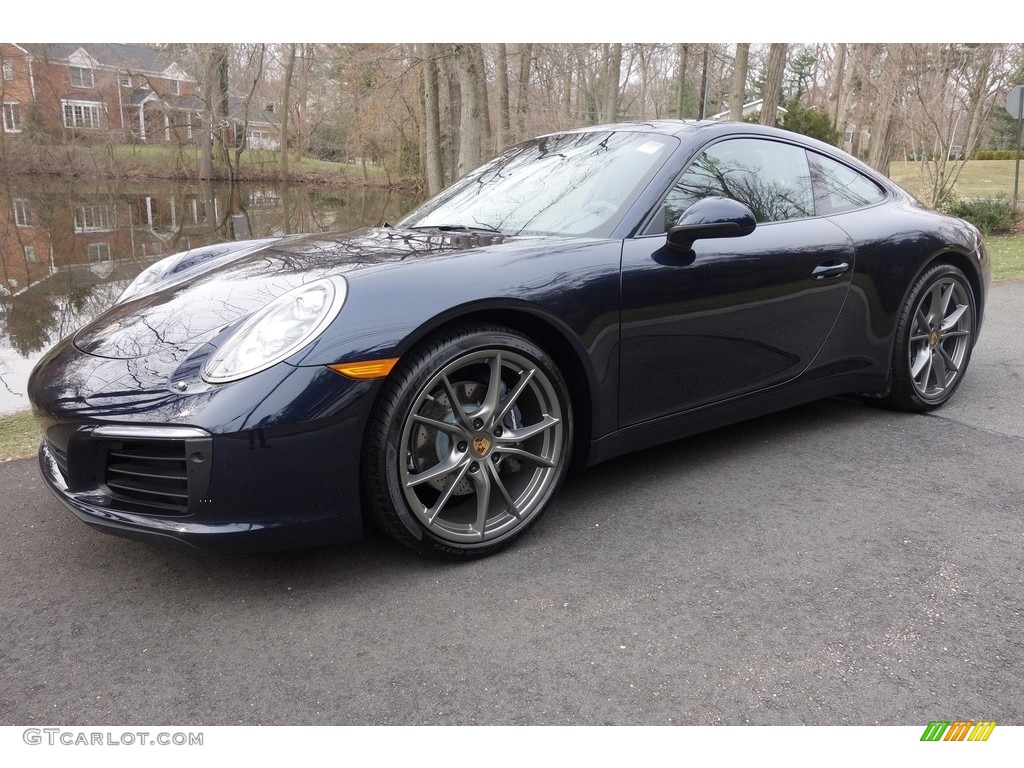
432	445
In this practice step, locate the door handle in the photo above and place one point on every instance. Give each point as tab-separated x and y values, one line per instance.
830	269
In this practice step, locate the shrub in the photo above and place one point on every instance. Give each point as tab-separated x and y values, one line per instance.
989	215
996	154
809	121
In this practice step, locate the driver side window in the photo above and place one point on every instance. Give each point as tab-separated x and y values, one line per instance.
769	177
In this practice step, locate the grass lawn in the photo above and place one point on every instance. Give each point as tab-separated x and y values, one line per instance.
19	436
1007	252
978	178
262	160
141	160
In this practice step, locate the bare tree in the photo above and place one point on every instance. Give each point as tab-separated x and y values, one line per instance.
773	82
470	117
253	68
612	73
504	123
214	62
476	51
836	90
739	81
432	113
523	93
951	89
683	56
285	109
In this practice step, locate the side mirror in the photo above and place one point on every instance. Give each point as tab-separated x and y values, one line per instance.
711	217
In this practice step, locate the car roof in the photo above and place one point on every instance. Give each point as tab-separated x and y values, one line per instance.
688	128
698	131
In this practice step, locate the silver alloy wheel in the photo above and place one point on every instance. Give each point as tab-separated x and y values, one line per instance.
940	338
482	444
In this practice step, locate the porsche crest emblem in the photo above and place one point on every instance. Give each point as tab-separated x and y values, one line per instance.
481	445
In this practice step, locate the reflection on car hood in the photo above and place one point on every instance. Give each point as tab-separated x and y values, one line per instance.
199	308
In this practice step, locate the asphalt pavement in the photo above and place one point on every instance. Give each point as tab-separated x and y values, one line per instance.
833	564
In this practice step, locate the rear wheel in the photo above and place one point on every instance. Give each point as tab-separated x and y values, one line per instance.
469	442
934	339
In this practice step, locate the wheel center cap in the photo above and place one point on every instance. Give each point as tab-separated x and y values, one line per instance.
481	445
933	338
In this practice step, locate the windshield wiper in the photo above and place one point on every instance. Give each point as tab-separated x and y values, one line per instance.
459	228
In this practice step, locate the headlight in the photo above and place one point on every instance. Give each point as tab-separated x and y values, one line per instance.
277	331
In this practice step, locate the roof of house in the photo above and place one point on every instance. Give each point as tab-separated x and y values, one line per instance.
119	56
750	106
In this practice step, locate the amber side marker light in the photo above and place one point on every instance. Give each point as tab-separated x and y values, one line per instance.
367	369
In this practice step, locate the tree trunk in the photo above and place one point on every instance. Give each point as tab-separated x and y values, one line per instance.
613	71
979	90
302	103
432	111
854	82
240	143
773	82
836	92
504	124
684	57
220	105
209	90
702	107
641	54
567	71
285	108
739	81
523	102
477	52
454	110
884	124
206	143
470	128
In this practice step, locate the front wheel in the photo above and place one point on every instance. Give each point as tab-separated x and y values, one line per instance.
934	339
469	441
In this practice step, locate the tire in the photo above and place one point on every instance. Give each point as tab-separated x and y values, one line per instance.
934	339
465	482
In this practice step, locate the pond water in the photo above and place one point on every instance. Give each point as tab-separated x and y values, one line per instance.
68	249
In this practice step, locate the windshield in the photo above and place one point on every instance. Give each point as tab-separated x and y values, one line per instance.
567	184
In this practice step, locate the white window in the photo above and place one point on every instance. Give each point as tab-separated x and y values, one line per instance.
30	254
847	137
83	114
175	87
99	252
12	118
93	218
22	213
82	78
8	71
126	81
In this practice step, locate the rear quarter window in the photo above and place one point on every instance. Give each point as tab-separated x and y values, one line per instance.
839	188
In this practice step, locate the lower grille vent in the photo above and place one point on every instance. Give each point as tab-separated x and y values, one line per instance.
150	472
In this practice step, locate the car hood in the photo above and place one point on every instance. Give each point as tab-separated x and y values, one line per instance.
210	300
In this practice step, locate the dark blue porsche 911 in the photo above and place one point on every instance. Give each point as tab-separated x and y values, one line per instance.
584	294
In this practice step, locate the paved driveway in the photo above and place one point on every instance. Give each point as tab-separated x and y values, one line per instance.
832	564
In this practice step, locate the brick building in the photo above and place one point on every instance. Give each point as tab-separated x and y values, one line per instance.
130	91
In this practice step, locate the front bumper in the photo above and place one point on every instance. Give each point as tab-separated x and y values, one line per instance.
208	506
269	462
